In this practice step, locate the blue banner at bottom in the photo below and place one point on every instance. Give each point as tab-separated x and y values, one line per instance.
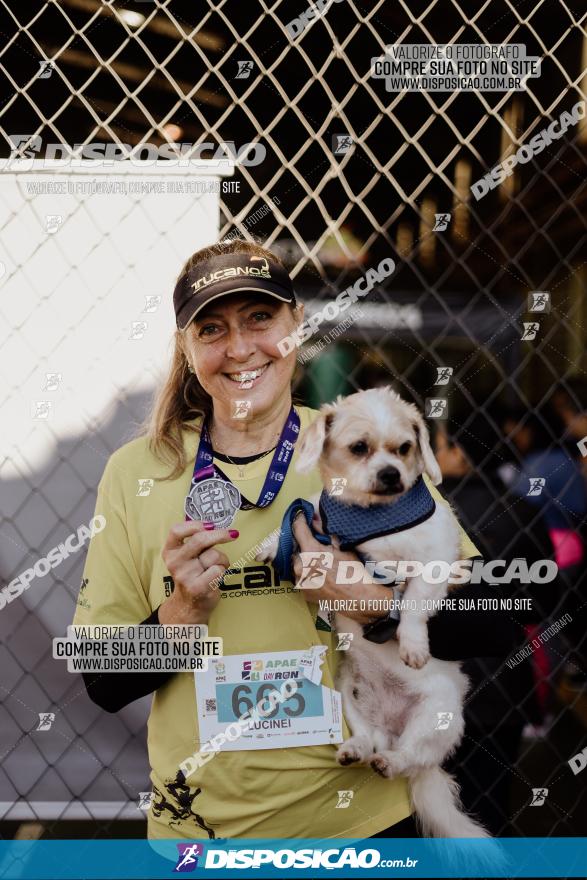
561	857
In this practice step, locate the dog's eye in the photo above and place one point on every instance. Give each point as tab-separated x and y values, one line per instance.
359	448
405	448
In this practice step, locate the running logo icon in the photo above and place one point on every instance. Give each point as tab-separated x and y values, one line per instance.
52	223
344	641
338	484
245	69
152	303
145	487
344	799
25	146
314	568
46	68
145	800
46	719
52	381
537	484
341	144
531	328
441	222
539	301
188	857
436	408
539	796
242	408
42	409
138	329
444	719
443	375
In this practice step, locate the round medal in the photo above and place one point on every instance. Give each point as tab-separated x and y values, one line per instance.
213	500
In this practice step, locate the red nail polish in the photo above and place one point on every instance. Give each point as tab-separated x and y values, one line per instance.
208	526
234	533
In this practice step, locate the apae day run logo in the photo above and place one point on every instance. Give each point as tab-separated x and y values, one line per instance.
187	859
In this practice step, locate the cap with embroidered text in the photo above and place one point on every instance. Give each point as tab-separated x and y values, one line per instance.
225	274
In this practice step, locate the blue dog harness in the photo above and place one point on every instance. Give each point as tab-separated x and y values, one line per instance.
352	524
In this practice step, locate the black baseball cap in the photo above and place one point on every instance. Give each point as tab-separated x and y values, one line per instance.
228	273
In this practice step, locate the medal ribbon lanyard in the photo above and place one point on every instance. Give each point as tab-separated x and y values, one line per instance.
208	477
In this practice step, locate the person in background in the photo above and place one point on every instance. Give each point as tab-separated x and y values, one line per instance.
548	473
574	419
501	700
562	497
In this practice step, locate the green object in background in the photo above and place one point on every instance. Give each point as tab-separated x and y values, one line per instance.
327	375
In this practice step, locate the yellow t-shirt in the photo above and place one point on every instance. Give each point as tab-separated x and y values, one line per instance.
286	792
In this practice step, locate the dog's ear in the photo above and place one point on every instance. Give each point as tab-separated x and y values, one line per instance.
431	466
312	442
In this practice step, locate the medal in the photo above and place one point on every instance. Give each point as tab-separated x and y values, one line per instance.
214	498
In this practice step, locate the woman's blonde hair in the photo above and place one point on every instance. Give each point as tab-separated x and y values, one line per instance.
181	398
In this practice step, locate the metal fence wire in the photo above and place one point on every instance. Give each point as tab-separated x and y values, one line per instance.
352	174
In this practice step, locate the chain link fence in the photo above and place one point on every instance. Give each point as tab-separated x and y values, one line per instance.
352	174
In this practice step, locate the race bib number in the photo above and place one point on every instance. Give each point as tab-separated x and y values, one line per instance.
266	701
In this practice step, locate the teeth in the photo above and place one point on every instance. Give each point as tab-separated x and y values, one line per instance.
247	375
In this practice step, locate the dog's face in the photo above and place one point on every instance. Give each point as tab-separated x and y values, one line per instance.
373	439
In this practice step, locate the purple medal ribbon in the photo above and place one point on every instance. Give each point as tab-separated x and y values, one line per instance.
212	495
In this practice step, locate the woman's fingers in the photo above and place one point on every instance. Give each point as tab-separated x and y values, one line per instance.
195	562
191	539
303	535
297	567
200	541
213	557
179	532
196	580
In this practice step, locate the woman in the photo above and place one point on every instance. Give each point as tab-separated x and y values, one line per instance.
234	303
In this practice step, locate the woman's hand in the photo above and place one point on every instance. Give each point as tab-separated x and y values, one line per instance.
330	590
196	566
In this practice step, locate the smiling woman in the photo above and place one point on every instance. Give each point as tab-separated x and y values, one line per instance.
218	455
217	463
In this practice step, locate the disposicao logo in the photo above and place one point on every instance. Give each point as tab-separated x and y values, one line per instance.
235	859
187	859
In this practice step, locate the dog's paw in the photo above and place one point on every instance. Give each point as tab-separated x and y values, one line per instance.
353	750
414	654
268	550
383	764
391	762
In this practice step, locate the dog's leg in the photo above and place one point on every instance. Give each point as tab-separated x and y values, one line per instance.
412	632
432	732
365	739
268	549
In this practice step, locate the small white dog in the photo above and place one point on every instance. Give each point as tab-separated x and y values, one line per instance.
405	709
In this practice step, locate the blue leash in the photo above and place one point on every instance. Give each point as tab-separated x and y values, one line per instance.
287	542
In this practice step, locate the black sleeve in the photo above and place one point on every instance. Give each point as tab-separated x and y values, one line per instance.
114	690
462	635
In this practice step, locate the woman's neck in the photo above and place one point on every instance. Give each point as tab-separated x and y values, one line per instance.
248	436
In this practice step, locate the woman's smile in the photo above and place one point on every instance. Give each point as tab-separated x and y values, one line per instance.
250	377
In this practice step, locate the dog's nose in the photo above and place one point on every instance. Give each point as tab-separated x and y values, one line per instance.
388	477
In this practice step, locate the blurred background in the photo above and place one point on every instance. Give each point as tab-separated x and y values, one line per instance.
352	175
